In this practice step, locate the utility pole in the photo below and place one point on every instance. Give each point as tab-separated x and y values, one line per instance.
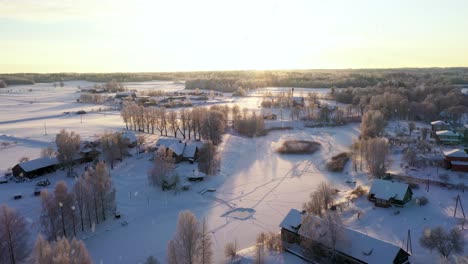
409	246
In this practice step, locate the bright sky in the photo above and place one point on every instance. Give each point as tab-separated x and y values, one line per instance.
177	35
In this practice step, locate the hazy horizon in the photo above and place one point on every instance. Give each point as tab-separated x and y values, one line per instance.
174	36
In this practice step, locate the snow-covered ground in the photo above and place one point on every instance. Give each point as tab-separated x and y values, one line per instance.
255	187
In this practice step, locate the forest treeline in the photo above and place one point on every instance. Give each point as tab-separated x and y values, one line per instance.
229	81
410	98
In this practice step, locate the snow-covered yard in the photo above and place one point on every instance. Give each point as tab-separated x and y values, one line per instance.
255	187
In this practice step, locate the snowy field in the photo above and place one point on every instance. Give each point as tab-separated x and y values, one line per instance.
255	187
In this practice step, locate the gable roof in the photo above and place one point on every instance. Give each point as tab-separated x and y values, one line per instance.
437	122
383	189
166	141
456	153
177	148
356	244
39	163
446	133
292	221
130	136
191	148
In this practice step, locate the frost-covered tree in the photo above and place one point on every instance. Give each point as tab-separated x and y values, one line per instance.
65	201
60	251
187	238
444	242
375	154
320	200
230	250
81	193
162	171
206	251
50	216
14	247
213	126
373	124
101	191
208	159
68	146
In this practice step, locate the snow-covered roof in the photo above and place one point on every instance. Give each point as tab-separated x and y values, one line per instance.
166	141
191	148
383	189
292	221
356	244
189	151
130	136
177	148
366	248
39	163
456	153
438	122
446	133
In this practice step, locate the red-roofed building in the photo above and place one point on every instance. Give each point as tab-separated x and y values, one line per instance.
456	159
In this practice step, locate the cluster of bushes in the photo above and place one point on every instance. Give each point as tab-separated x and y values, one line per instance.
298	147
421	201
250	126
92	98
338	162
358	192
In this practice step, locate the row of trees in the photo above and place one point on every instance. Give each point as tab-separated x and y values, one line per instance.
196	123
189	123
15	246
90	201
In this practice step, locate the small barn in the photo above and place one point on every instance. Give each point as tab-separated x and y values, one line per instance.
35	167
387	193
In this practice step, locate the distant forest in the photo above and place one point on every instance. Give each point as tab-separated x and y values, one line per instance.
230	81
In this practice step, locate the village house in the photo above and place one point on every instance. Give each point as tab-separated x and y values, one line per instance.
447	137
352	247
439	125
35	167
456	159
181	151
387	193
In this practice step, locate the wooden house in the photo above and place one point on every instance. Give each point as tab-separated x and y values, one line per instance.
35	167
447	137
351	246
387	193
290	227
456	159
439	125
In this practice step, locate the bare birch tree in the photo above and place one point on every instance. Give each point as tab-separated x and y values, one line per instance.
68	146
186	240
14	247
